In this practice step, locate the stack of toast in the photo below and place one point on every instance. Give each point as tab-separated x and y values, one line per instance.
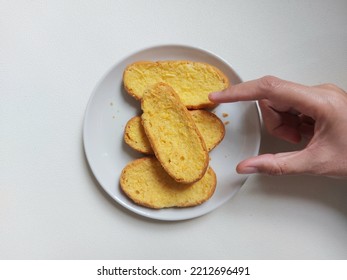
175	133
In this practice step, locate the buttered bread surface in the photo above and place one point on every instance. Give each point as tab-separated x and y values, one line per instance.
146	183
210	126
192	81
173	135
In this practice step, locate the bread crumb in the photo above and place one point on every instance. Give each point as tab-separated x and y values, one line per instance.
225	115
226	123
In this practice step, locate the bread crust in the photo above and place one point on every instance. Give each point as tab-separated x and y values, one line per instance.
140	74
147	184
173	135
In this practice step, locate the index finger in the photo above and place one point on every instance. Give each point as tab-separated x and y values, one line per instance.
274	89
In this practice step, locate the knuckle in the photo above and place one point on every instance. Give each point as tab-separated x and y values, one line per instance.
277	170
269	82
335	100
330	99
276	166
330	86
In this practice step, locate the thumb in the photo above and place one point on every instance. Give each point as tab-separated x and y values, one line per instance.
297	162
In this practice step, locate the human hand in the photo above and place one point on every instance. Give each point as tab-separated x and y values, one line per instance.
292	111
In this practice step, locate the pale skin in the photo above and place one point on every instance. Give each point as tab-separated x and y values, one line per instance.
292	112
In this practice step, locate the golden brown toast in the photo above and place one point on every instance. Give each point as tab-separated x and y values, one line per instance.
146	183
193	81
173	134
210	126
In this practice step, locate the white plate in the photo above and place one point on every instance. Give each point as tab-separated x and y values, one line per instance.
109	109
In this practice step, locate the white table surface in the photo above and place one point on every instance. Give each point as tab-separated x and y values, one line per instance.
53	53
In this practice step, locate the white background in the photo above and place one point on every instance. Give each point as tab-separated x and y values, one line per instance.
53	53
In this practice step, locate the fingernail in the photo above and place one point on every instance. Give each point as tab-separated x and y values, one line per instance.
248	170
214	95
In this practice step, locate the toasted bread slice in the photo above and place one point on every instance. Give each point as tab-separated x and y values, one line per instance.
146	183
210	126
192	81
174	137
135	136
